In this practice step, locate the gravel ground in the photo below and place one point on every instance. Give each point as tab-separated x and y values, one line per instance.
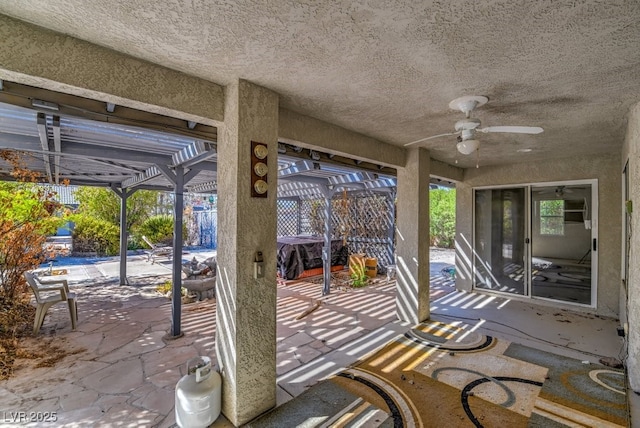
444	255
439	259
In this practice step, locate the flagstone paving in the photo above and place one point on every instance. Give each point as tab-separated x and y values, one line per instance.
125	370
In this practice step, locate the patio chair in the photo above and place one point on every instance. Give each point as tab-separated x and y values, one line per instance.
157	250
48	294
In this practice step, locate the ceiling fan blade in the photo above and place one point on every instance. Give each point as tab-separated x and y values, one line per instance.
512	129
429	138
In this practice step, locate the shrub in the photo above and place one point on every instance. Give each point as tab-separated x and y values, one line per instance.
442	219
25	220
166	288
26	217
159	230
102	203
94	235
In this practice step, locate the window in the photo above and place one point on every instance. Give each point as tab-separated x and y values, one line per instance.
552	217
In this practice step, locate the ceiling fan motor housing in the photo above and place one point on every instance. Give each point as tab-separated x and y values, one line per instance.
467	124
467	134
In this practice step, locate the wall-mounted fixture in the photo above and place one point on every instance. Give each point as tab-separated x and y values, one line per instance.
314	155
259	170
111	107
44	104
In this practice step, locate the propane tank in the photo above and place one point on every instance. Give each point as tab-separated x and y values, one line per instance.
198	394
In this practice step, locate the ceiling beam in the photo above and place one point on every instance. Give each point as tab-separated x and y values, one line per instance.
356	177
299	193
142	177
57	148
44	143
297	168
294	185
74	106
194	153
39	151
381	183
208	187
311	180
121	155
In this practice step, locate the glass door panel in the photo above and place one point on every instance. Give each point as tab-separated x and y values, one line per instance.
499	241
561	242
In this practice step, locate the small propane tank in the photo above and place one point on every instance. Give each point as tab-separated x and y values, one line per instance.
198	394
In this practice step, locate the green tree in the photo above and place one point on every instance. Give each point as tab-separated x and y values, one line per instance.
26	218
104	204
442	217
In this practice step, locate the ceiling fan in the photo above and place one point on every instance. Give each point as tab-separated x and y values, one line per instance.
560	191
467	128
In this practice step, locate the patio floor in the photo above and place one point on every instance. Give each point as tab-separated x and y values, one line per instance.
125	373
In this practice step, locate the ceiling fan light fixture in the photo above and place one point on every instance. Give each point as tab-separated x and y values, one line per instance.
467	147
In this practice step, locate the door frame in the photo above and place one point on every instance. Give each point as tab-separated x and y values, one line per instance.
529	220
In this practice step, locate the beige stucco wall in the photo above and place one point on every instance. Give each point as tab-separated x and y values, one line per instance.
34	56
606	169
630	296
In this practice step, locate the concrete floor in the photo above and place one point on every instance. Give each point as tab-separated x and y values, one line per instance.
127	373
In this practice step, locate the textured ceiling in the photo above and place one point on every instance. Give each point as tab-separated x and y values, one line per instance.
389	68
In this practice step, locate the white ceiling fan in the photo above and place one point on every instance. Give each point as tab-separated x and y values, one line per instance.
467	128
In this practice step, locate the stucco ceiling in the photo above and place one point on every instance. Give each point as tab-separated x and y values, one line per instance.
389	68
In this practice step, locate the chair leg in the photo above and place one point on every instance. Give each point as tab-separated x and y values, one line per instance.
41	312
37	321
73	312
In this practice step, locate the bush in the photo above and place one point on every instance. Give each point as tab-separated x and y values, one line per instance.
442	209
159	230
102	203
25	220
94	235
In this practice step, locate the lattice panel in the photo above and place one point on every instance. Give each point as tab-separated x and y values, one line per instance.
312	217
364	219
288	217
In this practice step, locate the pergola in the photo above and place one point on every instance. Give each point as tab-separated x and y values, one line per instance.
90	143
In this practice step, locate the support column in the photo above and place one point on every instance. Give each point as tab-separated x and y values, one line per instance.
326	250
392	226
176	277
299	217
246	305
179	178
124	232
412	238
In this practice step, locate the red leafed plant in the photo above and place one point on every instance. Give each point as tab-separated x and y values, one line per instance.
26	217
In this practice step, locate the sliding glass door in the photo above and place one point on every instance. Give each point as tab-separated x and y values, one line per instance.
562	245
537	241
500	233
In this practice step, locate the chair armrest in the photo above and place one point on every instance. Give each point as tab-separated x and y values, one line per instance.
63	282
62	288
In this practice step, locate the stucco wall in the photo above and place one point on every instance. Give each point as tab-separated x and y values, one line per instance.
604	168
34	56
630	297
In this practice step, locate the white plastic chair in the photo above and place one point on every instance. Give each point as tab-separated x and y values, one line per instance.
47	294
